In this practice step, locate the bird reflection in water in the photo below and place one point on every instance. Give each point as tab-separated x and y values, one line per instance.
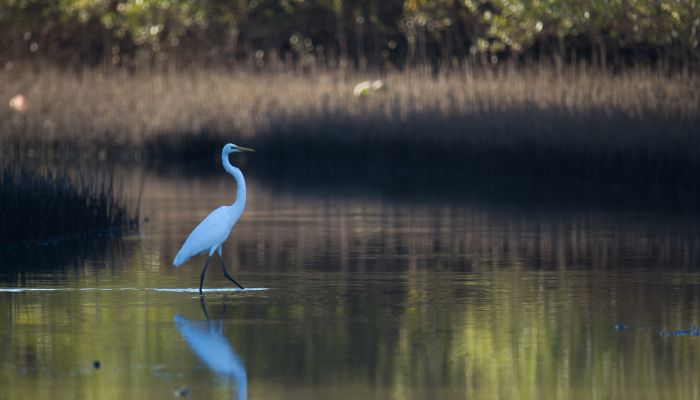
207	341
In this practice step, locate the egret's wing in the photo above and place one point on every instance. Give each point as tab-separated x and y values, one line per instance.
211	232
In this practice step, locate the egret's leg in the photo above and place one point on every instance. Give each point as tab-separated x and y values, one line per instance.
204	272
226	272
203	304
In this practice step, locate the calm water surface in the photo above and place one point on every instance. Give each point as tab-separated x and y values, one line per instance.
360	296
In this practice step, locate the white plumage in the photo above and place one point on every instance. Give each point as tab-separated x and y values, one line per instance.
212	232
208	236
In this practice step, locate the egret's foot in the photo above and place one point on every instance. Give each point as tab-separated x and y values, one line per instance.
234	281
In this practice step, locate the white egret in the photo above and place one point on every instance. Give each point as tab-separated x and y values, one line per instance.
210	234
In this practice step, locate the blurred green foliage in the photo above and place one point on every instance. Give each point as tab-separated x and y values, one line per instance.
360	33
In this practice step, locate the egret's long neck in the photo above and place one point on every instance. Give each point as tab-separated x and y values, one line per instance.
240	182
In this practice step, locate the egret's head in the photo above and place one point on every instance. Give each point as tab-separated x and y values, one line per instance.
232	148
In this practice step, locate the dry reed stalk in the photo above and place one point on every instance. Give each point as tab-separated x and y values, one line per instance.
527	116
126	106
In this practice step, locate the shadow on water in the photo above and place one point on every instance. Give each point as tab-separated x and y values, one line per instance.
604	147
23	265
340	219
206	340
423	184
446	189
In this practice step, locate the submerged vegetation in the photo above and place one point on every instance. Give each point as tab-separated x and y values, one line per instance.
40	207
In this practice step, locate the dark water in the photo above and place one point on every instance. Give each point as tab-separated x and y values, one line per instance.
361	295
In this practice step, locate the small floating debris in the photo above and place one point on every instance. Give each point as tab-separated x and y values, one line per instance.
181	392
693	331
674	333
366	88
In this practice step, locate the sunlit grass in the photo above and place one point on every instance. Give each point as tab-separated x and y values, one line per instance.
636	126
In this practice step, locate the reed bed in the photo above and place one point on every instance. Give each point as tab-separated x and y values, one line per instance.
44	207
640	125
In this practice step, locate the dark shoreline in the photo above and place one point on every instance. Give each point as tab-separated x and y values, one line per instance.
645	178
50	207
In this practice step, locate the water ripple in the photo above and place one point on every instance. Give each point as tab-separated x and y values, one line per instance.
173	290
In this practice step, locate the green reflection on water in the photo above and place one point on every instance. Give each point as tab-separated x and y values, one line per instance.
369	300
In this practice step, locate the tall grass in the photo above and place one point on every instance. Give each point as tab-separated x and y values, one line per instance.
43	207
638	126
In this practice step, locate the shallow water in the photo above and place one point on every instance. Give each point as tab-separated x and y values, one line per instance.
354	294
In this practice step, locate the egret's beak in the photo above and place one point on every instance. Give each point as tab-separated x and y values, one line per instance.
245	149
